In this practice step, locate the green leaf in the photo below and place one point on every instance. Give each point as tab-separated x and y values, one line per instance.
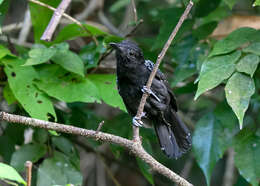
230	3
204	7
8	95
215	70
239	89
69	61
4	6
4	52
64	145
203	31
256	3
169	19
20	80
183	72
72	31
58	170
8	172
65	86
90	54
234	40
40	17
248	64
40	135
253	48
247	159
28	152
6	148
106	83
39	56
145	169
206	144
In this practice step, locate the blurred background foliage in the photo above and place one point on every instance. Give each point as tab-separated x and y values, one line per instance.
212	66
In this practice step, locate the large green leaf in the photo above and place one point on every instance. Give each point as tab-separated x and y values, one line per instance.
91	53
248	64
256	3
106	83
170	18
40	17
39	56
239	90
20	80
247	159
8	95
204	7
215	70
4	6
253	48
9	173
183	72
4	52
28	152
65	86
234	40
230	3
58	170
68	60
6	148
203	31
206	144
72	31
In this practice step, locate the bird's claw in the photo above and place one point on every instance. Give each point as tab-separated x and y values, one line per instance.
149	91
137	122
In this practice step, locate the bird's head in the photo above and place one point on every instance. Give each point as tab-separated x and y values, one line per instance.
128	52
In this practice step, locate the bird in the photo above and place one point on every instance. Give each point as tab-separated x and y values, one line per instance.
160	109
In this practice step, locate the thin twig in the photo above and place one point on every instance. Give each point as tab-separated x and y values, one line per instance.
25	28
28	166
156	66
68	17
135	148
103	19
135	28
47	35
134	9
230	168
100	126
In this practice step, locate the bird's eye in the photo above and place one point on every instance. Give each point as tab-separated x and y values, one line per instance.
131	53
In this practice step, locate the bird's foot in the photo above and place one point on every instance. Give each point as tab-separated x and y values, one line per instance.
149	91
137	121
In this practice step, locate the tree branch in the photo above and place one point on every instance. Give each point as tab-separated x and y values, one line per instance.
67	16
230	168
47	35
156	66
133	147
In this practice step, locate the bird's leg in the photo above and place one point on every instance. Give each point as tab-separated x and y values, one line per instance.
149	91
137	120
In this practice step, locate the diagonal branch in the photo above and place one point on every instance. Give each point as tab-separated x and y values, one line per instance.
156	66
67	16
135	148
47	35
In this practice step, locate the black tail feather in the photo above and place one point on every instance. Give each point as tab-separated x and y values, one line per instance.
175	139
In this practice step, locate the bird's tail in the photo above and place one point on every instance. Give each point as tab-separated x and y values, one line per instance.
174	138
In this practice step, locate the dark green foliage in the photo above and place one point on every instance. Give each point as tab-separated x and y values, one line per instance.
67	82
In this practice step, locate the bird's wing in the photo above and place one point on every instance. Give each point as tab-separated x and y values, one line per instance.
160	76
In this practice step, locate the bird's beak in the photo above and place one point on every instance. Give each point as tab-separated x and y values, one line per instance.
114	45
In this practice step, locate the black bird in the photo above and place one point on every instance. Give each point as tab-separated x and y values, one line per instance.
160	109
